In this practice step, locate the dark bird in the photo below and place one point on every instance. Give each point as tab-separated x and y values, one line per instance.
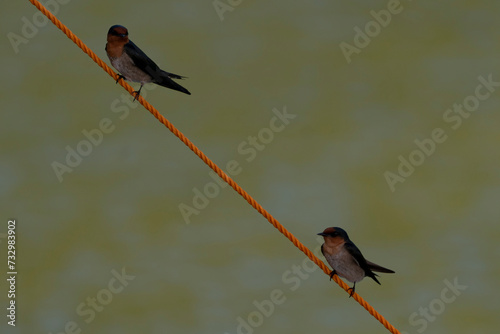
134	65
346	259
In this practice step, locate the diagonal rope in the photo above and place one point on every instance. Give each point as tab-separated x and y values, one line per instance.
213	166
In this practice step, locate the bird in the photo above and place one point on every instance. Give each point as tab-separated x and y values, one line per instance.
346	259
134	65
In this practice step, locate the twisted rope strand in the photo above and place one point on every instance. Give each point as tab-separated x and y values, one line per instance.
213	166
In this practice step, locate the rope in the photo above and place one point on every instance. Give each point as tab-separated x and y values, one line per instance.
214	167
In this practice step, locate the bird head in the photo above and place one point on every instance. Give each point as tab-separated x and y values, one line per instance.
334	232
118	33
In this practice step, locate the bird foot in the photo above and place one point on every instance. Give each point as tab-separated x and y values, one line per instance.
119	77
136	94
332	273
352	290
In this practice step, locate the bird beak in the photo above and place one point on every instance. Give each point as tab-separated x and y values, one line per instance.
322	234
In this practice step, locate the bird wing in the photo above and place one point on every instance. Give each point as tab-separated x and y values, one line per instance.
142	61
145	63
380	269
356	253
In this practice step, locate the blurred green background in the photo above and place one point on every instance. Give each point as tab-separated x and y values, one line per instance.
119	207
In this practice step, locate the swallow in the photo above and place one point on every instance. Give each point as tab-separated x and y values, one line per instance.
346	259
134	65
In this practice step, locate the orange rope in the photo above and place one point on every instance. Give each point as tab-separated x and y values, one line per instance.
213	166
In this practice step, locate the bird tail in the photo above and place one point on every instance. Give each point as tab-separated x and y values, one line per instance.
175	76
165	81
373	276
380	269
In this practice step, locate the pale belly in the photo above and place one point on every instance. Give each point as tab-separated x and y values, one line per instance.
126	67
346	266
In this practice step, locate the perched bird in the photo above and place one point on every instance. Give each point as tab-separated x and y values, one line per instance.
346	259
134	65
